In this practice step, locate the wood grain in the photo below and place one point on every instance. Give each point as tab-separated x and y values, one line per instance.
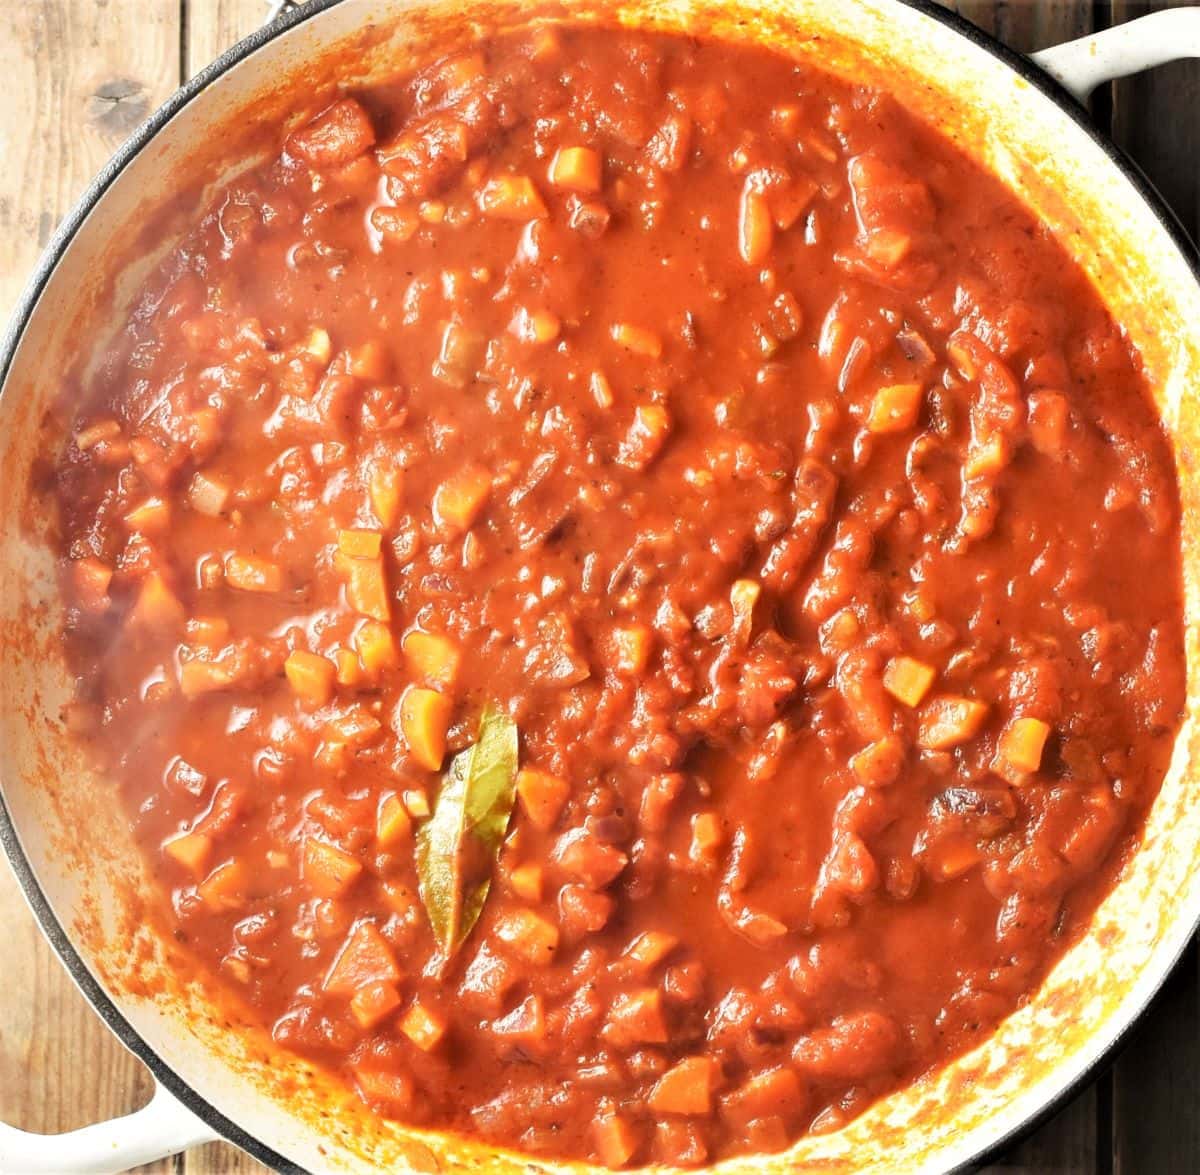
81	74
78	77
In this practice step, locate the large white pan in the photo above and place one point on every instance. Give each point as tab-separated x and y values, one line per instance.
68	841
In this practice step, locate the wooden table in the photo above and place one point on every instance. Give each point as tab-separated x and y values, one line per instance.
79	76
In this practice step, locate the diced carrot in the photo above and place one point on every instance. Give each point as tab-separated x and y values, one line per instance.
91	578
157	605
385	487
649	949
756	229
888	247
224	889
535	326
947	721
152	516
392	821
646	436
773	1091
236	967
1022	742
707	838
988	457
879	763
209	494
895	408
511	197
373	1003
542	795
376	647
637	339
368	361
251	573
525	1024
637	1017
209	632
394	1090
616	1139
908	680
685	1089
460	498
582	911
629	649
461	351
528	935
198	677
433	658
357	726
416	803
952	860
366	586
349	671
432	211
319	345
365	958
577	168
190	849
526	881
310	675
360	544
423	1026
327	870
424	718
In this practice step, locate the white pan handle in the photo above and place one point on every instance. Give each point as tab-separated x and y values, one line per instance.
1080	66
159	1129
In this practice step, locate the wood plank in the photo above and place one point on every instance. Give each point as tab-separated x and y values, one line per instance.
79	76
1155	119
213	26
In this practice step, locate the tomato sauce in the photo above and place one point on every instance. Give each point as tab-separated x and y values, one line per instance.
759	467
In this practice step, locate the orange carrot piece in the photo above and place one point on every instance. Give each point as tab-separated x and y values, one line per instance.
365	957
423	1026
685	1089
460	498
327	870
528	935
251	573
424	718
373	1003
908	680
190	849
433	658
542	795
310	675
947	721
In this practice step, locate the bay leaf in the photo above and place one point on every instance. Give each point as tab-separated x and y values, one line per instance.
458	846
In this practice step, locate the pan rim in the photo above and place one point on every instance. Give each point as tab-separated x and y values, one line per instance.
19	321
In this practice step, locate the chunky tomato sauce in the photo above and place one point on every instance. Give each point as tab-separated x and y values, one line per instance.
759	464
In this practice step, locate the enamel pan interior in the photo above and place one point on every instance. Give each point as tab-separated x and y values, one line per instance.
69	841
